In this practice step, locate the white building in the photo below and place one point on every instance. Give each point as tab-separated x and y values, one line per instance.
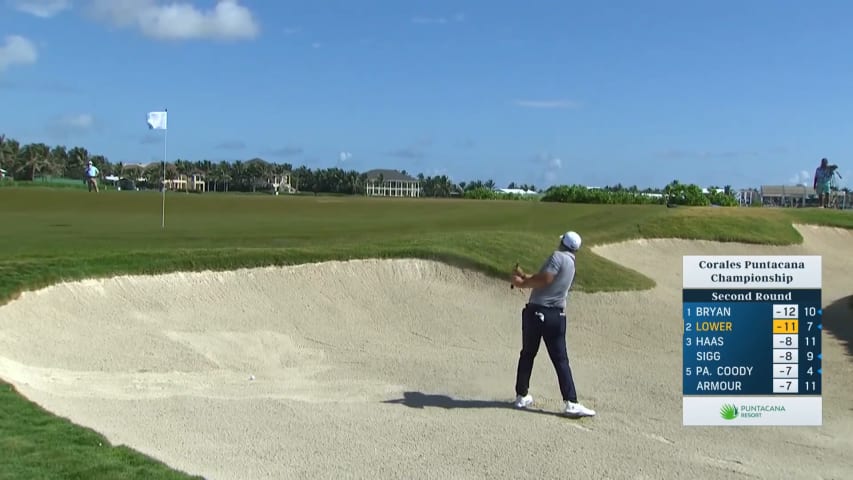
194	182
747	197
786	195
391	183
517	191
281	183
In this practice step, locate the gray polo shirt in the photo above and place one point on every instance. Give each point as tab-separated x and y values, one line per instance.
562	265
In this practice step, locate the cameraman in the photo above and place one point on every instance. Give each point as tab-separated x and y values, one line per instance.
822	181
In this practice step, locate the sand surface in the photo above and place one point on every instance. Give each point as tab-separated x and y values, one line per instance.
403	369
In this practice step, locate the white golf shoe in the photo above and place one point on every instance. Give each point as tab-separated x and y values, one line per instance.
576	410
523	402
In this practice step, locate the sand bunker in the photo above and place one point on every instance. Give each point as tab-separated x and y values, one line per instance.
401	369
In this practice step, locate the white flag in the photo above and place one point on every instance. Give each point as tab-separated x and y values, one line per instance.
157	120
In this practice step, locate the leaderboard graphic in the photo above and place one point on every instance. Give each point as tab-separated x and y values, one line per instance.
752	341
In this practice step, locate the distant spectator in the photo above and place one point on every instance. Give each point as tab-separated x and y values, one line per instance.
822	178
92	173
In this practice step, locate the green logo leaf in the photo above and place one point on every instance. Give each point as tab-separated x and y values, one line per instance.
728	412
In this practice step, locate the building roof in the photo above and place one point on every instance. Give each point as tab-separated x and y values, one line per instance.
138	164
786	190
394	175
519	191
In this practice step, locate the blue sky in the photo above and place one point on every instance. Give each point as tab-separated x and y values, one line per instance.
543	92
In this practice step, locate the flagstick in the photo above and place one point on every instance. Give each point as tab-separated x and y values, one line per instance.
165	140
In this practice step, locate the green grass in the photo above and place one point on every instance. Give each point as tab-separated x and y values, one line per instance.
36	444
770	226
41	182
51	235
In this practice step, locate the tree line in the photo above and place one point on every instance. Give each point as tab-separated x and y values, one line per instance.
40	162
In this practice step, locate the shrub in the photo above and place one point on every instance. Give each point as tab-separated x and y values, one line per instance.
582	194
675	193
483	193
684	194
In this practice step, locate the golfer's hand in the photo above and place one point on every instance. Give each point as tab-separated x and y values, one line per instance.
517	280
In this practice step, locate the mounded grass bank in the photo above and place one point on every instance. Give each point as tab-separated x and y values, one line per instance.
476	253
767	226
38	445
48	236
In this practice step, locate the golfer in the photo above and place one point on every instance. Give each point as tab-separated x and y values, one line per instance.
544	318
92	173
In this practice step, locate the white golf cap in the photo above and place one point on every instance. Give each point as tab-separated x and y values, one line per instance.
571	240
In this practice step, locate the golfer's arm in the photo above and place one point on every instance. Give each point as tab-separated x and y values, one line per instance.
537	280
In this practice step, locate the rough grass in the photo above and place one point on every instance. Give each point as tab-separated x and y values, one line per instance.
49	235
39	445
748	225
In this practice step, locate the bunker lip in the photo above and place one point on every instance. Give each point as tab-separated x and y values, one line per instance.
354	359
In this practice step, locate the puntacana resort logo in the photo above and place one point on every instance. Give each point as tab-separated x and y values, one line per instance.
729	412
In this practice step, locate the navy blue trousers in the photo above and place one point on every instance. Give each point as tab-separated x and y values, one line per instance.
549	324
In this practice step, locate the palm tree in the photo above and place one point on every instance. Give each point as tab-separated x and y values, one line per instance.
100	161
182	168
7	155
132	172
35	159
59	160
238	174
171	173
205	167
361	181
153	174
257	173
222	173
2	146
76	162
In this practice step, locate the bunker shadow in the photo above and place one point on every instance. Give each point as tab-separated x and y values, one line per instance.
838	320
422	400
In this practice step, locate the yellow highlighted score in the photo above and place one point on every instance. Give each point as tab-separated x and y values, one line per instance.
785	326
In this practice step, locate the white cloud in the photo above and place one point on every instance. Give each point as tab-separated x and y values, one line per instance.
40	8
72	124
179	21
17	50
801	177
344	156
555	164
82	120
551	166
547	103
